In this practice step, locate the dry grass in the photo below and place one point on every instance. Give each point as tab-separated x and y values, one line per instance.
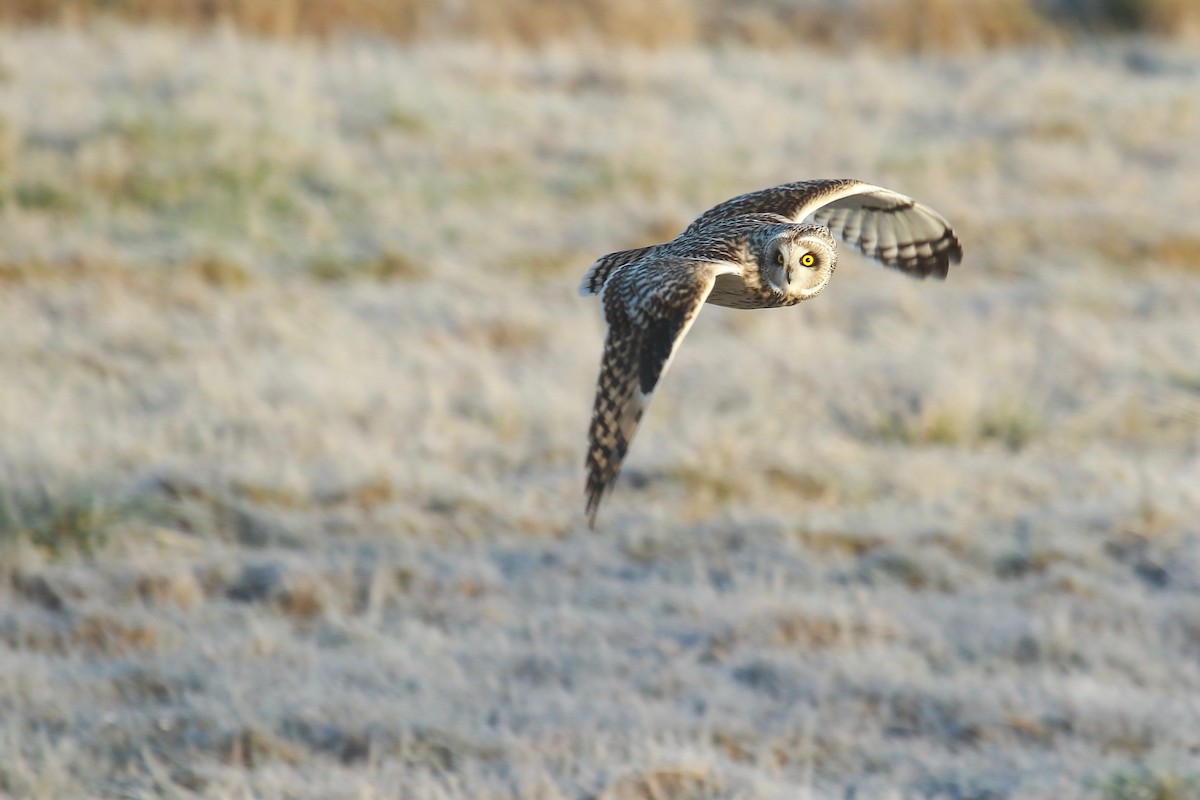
296	383
936	26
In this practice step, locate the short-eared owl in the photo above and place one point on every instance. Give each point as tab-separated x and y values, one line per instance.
766	249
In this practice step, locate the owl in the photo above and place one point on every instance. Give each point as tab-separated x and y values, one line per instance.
766	249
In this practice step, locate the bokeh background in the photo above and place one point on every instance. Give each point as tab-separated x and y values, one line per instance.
294	384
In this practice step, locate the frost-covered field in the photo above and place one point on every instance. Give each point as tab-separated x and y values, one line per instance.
294	384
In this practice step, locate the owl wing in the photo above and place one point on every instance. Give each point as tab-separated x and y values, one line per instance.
602	267
888	226
649	305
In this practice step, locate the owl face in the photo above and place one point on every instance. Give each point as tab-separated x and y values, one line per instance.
798	260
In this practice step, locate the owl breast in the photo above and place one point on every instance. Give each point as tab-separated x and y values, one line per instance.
736	291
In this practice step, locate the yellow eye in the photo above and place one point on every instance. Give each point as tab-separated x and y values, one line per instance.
807	259
779	258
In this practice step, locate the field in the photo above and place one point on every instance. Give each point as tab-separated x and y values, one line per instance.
294	384
892	25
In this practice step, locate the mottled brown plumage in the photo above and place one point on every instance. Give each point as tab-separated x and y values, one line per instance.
765	249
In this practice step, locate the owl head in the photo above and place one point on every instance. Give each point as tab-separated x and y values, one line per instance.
795	260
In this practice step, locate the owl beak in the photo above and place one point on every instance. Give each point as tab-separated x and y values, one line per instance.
788	274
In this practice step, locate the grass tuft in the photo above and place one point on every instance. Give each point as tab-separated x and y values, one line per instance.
664	783
1013	424
1182	252
389	265
1144	783
57	522
219	272
1010	423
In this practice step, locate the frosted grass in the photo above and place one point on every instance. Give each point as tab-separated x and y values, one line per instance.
296	385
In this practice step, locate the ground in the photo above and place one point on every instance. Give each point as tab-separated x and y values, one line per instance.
296	383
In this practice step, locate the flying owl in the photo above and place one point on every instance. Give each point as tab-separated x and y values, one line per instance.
766	249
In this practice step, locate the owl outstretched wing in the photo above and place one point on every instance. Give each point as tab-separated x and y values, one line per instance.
649	304
890	227
602	267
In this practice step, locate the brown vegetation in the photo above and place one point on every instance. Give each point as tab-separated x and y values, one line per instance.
898	25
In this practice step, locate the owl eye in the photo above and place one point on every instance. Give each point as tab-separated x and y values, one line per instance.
807	259
779	258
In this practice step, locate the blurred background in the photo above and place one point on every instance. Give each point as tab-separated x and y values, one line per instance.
294	388
931	26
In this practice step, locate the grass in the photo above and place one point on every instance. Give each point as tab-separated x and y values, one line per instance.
384	266
59	519
1008	423
297	380
900	25
1138	783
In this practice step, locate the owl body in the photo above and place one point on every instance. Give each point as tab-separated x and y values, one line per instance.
767	249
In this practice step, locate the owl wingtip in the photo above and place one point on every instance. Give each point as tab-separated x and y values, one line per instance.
592	509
